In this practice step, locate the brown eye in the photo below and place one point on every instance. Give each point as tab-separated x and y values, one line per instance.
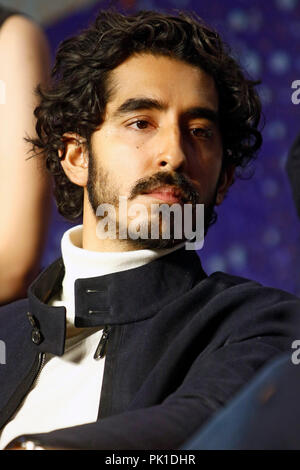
201	133
141	124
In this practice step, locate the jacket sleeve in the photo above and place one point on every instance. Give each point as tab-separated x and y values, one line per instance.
265	323
210	382
250	421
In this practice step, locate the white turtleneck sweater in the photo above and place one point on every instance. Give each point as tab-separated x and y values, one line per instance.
67	391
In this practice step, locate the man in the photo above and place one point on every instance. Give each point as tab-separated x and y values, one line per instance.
152	109
265	414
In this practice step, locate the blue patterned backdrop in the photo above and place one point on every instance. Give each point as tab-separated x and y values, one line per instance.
258	233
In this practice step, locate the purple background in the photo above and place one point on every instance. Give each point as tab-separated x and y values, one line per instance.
258	233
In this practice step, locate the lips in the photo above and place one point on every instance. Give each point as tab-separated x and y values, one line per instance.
166	194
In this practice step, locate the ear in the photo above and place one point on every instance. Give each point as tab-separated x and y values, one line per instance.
226	180
75	161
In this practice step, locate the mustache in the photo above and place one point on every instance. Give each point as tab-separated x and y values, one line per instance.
183	186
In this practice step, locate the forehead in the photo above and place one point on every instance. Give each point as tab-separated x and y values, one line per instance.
170	80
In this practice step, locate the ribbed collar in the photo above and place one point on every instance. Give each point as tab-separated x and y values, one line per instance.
118	298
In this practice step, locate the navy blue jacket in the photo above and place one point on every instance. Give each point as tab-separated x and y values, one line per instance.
265	415
180	345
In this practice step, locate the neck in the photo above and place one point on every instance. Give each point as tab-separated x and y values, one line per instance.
82	263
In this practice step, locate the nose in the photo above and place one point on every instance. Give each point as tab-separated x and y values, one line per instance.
170	152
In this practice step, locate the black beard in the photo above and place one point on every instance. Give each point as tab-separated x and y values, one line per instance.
104	193
188	195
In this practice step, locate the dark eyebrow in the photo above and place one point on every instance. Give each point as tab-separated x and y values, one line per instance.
137	104
200	112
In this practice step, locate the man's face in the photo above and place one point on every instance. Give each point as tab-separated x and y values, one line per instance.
160	141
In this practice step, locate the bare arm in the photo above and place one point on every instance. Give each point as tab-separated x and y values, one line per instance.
24	186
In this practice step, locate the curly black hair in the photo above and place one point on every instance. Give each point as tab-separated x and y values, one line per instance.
75	100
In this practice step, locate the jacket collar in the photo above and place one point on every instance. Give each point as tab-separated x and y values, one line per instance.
112	299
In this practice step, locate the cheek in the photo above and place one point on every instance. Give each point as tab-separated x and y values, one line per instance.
122	158
124	165
205	162
205	175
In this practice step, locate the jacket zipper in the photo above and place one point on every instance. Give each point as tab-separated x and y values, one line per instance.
13	410
42	360
99	353
101	348
40	367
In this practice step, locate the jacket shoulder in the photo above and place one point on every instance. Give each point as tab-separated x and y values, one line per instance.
224	281
239	300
